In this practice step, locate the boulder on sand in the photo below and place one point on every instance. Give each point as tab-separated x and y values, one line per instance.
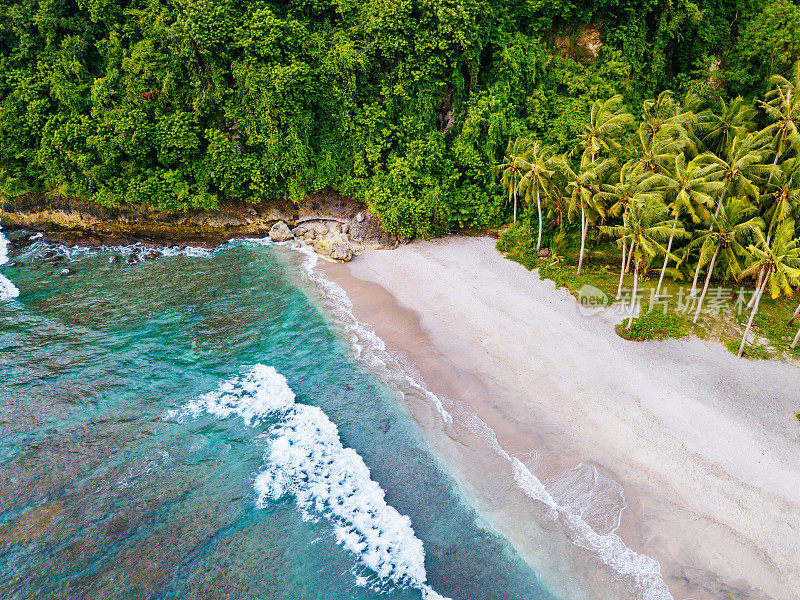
280	232
341	251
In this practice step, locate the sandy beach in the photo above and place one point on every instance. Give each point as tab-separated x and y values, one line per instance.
700	449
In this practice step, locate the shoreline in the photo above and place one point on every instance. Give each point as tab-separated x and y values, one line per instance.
711	481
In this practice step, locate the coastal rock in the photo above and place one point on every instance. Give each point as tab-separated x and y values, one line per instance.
341	251
368	232
223	220
328	206
280	232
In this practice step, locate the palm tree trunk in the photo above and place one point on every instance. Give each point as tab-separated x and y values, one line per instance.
794	316
774	164
796	339
705	287
693	291
633	297
621	270
666	258
719	204
630	255
515	198
539	210
583	239
757	296
752	301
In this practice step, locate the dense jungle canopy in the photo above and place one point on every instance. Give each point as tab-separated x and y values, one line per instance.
407	104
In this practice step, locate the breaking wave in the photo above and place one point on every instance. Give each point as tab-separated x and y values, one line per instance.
7	289
306	460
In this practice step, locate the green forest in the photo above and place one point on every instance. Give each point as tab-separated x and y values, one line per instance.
407	105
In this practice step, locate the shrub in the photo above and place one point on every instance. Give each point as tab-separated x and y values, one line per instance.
654	325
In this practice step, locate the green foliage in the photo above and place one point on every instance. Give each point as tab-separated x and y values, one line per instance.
768	43
654	325
407	105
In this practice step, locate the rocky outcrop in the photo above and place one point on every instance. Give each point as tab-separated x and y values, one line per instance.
365	228
338	227
280	232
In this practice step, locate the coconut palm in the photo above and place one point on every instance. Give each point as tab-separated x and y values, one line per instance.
537	179
582	190
719	127
513	168
741	171
781	200
777	262
782	107
725	240
646	226
607	120
655	154
689	187
619	196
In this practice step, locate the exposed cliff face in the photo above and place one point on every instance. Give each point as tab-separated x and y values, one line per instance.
81	223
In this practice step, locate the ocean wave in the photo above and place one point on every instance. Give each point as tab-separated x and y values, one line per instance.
575	508
364	342
132	252
7	289
306	460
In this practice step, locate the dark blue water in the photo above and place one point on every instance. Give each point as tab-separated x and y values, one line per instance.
109	489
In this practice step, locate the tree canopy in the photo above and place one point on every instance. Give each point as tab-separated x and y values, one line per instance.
407	104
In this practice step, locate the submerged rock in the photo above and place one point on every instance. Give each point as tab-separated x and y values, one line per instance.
280	232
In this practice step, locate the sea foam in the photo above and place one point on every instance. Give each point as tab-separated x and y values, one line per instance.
306	460
366	345
7	289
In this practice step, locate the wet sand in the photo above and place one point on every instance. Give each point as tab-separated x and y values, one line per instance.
705	445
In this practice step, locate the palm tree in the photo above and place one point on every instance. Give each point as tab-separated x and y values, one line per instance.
645	226
690	186
782	198
739	175
513	168
654	154
619	196
607	120
779	266
725	239
537	178
719	128
582	188
782	107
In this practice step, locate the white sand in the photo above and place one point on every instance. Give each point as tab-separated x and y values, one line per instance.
705	445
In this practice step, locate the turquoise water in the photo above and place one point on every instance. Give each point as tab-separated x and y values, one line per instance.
193	427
